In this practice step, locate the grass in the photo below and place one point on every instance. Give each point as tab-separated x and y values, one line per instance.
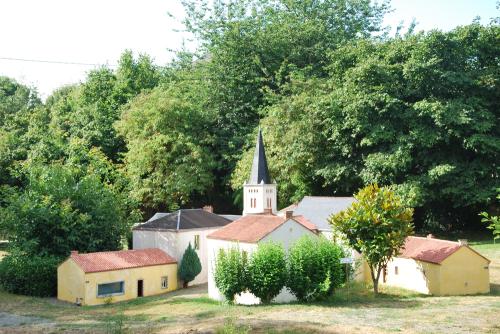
349	311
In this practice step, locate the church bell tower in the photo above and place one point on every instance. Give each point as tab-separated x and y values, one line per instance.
259	193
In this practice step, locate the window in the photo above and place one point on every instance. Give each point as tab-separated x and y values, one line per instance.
396	270
197	241
110	289
164	282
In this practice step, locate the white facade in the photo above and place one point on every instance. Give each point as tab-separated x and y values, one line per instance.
258	197
175	243
286	234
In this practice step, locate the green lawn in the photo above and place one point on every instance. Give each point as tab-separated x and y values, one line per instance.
190	311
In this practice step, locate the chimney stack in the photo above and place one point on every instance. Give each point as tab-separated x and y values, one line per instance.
268	211
430	236
74	252
208	208
288	214
463	242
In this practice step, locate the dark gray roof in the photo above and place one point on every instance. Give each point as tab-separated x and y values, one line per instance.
231	217
318	209
259	165
158	215
185	219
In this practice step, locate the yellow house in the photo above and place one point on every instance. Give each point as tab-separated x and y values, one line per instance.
103	277
437	267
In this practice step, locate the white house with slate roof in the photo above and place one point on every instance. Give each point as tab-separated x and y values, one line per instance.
172	232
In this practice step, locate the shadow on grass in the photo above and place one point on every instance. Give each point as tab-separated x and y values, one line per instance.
494	289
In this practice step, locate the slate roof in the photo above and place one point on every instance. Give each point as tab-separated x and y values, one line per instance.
318	209
430	249
253	228
185	219
108	261
260	172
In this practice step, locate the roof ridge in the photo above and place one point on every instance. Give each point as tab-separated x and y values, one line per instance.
435	239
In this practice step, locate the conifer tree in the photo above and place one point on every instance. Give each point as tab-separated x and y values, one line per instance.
190	265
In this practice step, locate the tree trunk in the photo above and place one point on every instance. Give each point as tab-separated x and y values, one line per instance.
375	278
185	284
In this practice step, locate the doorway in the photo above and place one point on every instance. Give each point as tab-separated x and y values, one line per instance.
140	288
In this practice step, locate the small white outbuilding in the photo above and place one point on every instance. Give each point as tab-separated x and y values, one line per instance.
246	234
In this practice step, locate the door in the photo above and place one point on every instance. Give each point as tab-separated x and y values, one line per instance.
140	288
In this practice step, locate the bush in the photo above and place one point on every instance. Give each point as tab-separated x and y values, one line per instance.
267	271
230	275
190	265
29	275
314	268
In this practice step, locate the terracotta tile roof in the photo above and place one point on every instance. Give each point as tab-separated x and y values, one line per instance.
253	228
107	261
429	249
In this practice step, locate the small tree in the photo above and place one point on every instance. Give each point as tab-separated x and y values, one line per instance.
376	225
229	274
267	271
190	266
492	221
314	268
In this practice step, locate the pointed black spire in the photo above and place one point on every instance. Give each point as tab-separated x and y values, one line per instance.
259	166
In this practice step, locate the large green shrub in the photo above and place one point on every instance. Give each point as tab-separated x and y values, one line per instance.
230	275
190	265
314	268
29	275
267	271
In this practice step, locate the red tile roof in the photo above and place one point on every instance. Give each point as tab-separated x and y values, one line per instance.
253	228
430	249
107	261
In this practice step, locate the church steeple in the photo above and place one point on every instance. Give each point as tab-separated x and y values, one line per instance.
259	193
260	172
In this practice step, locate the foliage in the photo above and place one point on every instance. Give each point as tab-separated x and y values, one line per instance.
492	221
314	268
266	273
230	273
168	160
31	275
62	210
190	265
230	327
376	225
419	112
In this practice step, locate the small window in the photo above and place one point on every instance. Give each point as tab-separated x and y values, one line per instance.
197	241
164	282
396	270
111	289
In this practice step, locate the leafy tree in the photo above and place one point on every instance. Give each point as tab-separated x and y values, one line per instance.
168	160
314	268
418	111
492	221
61	210
376	225
230	273
267	271
190	265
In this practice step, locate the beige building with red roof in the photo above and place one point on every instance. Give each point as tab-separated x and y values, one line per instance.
102	277
437	267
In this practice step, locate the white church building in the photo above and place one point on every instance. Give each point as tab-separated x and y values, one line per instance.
259	223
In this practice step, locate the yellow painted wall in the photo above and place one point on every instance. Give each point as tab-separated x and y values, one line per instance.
72	282
464	273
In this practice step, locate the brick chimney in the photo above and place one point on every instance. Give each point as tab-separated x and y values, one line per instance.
463	242
268	211
74	252
430	236
288	214
208	208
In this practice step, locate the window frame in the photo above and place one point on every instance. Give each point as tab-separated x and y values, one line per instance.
164	279
122	282
196	242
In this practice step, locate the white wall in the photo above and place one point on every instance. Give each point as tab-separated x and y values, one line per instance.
286	234
259	192
175	244
410	275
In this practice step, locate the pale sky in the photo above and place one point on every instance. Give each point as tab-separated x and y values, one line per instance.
98	31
